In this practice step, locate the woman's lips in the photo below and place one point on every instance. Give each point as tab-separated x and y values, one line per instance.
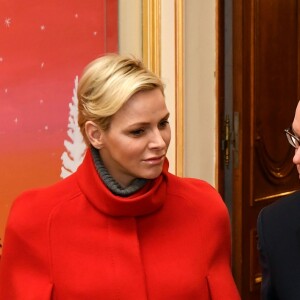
155	160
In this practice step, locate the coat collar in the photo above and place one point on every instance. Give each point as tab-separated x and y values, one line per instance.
147	200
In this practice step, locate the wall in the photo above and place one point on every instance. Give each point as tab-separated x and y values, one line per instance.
200	130
200	90
130	27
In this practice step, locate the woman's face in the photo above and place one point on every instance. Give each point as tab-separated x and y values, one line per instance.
136	143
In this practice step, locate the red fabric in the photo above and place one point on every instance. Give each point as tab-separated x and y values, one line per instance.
75	240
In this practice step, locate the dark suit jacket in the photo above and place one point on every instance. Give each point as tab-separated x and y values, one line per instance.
279	246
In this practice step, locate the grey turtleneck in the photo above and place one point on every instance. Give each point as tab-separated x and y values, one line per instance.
110	182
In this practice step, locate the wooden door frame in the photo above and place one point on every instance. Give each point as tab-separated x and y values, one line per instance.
237	105
220	91
237	27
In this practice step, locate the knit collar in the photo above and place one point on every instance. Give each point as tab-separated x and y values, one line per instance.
110	182
146	200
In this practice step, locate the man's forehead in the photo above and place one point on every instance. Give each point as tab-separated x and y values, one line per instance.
296	122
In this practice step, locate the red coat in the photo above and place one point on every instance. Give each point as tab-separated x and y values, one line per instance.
76	240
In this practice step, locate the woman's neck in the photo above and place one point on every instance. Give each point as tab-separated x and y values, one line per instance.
110	182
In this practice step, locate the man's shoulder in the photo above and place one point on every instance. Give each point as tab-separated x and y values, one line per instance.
290	202
286	209
278	243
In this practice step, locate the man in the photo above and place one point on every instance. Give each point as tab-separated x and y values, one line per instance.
278	228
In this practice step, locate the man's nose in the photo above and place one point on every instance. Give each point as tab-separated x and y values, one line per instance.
296	158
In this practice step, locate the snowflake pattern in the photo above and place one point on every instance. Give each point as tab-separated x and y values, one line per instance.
7	22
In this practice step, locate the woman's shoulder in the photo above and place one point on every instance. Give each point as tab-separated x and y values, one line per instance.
38	203
191	184
200	201
196	190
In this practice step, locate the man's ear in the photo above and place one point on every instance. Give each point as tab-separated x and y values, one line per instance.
94	134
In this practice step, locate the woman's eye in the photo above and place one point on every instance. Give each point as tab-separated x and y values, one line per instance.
163	124
137	132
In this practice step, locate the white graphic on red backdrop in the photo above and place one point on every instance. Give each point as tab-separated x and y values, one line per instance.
7	22
44	45
75	146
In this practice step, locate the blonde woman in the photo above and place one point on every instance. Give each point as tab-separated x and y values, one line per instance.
121	227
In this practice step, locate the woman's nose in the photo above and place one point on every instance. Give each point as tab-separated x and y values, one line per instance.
157	140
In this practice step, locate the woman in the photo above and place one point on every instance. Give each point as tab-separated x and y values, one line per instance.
121	227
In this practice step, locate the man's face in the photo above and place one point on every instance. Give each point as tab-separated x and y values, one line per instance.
296	130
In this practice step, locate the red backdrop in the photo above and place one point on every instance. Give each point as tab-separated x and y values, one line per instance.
44	45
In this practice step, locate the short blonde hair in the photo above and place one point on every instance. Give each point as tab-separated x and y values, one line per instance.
106	84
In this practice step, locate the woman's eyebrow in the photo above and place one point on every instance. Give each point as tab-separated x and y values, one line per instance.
147	123
166	116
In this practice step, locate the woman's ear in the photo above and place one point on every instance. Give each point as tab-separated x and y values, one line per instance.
94	134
